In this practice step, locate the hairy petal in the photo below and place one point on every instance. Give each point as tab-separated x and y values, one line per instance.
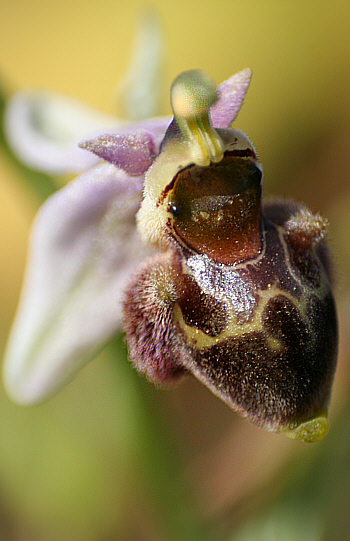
153	127
133	153
232	93
84	245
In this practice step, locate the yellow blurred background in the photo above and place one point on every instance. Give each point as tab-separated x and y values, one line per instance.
67	467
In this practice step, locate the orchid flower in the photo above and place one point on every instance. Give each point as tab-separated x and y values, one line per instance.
84	246
236	293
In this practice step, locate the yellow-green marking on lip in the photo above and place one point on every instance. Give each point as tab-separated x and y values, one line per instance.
309	431
192	94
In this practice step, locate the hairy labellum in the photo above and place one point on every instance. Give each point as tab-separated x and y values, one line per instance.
241	295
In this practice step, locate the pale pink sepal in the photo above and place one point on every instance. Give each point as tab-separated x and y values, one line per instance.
44	128
84	245
231	96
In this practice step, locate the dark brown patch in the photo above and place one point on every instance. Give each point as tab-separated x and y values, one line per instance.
272	268
216	209
200	310
281	319
270	386
246	153
242	153
306	265
324	254
167	189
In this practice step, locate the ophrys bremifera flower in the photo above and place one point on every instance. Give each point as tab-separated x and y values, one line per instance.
235	292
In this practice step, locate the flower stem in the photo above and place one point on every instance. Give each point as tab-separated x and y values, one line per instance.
161	466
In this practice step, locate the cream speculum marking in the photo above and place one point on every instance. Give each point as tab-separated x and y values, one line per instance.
240	296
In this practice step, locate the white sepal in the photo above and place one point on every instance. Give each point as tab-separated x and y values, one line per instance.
84	245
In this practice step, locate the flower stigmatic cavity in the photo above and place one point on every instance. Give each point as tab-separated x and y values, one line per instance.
241	294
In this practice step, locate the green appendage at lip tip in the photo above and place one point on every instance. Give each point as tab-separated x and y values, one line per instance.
309	431
192	94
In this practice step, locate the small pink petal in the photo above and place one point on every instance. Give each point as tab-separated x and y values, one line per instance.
133	153
232	93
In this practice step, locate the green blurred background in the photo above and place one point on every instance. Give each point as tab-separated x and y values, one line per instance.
112	458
